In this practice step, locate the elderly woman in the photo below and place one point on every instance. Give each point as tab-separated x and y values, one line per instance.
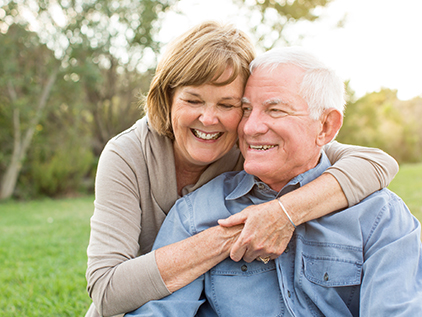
188	138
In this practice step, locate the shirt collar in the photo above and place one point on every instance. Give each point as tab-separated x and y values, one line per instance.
247	181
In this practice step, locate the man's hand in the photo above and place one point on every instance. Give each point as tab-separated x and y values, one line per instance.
266	232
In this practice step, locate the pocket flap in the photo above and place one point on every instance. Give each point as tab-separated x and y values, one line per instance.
331	272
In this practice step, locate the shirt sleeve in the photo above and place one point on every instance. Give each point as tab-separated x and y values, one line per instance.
186	301
359	170
392	269
118	279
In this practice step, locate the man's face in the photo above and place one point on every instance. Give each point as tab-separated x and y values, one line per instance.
276	135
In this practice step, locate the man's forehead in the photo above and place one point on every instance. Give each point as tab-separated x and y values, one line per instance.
268	102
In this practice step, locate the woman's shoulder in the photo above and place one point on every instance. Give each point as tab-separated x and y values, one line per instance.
137	140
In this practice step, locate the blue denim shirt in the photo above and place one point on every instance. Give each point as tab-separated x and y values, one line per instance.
365	260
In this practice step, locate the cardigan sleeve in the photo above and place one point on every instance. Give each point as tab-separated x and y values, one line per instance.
359	170
119	280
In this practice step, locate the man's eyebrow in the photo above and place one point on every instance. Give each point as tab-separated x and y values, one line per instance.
269	102
272	102
245	100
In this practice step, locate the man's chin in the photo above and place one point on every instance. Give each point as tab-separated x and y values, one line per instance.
259	170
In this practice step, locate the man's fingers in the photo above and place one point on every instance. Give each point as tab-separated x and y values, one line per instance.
233	220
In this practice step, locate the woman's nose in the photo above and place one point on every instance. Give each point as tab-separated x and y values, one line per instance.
208	116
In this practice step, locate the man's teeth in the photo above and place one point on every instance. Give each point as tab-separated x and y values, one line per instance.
261	147
206	136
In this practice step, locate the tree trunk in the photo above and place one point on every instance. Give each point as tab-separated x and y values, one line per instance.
10	178
20	147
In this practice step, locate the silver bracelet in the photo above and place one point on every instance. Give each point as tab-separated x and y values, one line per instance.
284	209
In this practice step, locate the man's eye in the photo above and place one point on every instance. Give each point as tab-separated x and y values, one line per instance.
278	112
246	111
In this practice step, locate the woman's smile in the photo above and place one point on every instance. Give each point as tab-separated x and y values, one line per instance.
206	135
205	119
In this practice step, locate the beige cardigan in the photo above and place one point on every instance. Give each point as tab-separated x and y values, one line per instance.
135	189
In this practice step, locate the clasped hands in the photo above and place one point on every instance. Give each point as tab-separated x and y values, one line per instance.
265	234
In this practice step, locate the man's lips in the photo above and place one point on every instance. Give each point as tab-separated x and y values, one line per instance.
262	147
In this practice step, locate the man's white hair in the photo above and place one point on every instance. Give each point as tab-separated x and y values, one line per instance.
321	87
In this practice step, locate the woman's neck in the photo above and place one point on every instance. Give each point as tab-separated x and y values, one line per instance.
186	173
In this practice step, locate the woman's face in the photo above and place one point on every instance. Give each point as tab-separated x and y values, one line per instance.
205	120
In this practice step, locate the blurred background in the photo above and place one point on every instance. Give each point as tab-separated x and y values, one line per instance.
71	76
72	72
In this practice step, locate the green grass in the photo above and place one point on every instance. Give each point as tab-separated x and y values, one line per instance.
408	185
43	257
43	250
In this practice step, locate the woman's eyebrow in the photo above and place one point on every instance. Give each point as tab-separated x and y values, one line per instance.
192	93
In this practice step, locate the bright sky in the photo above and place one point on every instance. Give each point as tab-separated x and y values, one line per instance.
379	46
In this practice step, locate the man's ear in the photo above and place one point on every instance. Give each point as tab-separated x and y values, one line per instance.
331	122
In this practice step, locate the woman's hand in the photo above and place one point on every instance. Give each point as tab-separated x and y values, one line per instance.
266	232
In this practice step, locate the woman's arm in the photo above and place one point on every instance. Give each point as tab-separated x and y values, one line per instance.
119	279
357	172
182	262
360	170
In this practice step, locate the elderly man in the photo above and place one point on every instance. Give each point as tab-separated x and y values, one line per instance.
365	260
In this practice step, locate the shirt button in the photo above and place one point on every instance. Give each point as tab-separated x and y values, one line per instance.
287	250
326	277
261	186
244	268
288	294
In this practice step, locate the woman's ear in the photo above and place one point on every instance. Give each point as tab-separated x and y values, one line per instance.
331	122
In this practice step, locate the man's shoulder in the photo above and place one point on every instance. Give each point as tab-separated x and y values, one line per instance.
382	198
382	208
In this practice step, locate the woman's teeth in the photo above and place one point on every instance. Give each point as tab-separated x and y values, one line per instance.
206	136
261	147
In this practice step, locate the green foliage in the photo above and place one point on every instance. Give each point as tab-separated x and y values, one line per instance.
377	120
101	45
61	160
28	71
61	173
43	257
408	185
275	15
24	68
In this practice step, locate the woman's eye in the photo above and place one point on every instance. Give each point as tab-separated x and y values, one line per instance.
225	106
194	102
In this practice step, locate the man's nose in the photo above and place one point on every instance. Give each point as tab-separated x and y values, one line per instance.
209	115
254	124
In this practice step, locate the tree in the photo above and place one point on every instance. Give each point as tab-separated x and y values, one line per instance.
27	77
269	18
108	47
99	43
377	120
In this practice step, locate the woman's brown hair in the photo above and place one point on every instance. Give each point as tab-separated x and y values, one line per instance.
200	56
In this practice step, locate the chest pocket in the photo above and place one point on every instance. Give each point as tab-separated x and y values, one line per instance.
331	281
332	271
252	286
